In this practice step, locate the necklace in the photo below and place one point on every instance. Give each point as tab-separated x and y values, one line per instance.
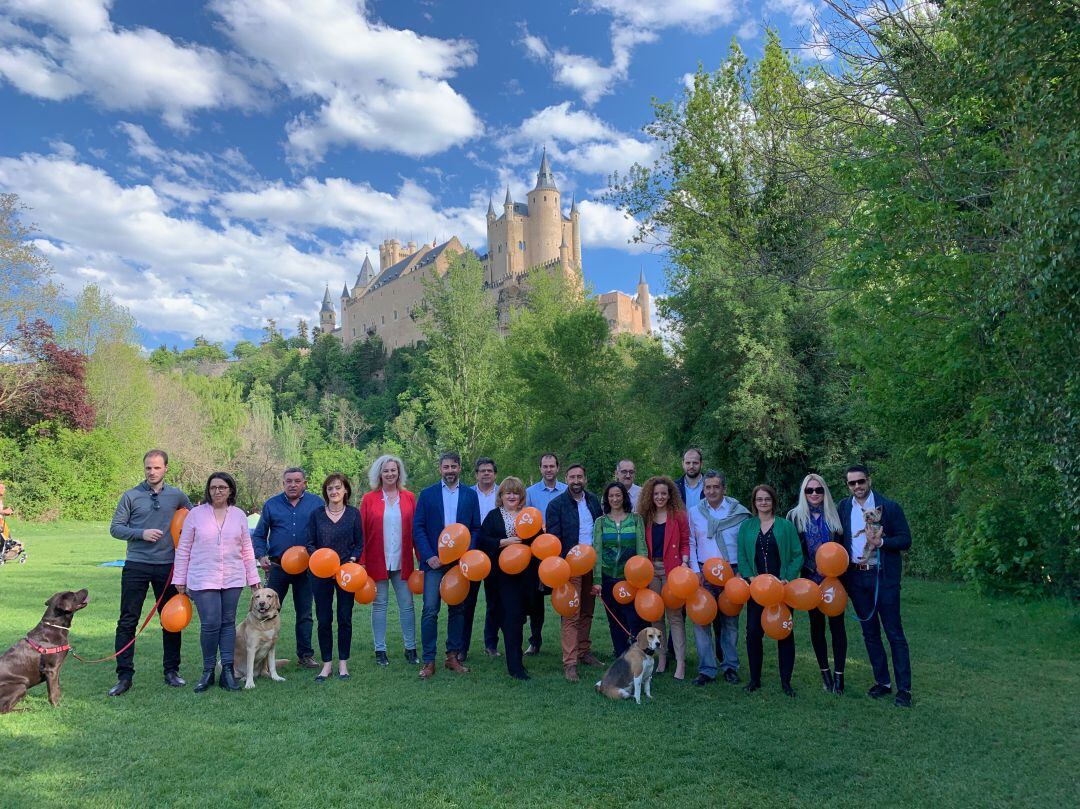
335	511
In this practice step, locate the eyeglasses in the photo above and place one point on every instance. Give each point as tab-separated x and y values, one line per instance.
859	482
814	490
219	488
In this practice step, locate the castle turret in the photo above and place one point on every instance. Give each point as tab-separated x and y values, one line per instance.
364	277
327	315
575	229
644	303
490	212
543	229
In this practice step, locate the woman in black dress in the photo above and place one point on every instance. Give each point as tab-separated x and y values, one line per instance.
516	591
335	526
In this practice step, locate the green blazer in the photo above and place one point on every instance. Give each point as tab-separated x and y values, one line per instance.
787	540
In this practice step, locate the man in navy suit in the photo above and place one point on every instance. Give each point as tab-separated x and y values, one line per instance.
873	580
438	506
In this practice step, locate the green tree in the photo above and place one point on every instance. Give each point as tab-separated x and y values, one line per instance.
93	319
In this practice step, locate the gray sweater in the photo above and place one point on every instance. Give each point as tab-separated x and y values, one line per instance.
135	513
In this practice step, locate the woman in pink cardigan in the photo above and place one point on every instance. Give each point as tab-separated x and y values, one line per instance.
214	560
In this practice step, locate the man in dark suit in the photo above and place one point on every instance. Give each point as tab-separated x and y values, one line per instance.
438	506
873	580
570	517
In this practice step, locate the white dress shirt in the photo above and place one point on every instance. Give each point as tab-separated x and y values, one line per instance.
703	547
487	501
633	491
391	533
858	527
585	522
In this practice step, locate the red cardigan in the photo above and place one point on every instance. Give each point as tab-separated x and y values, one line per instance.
371	518
676	540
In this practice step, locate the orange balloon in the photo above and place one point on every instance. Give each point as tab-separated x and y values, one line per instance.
454	587
727	606
324	563
366	594
717	571
453	542
416	582
737	590
766	590
701	607
566	600
639	571
831	559
649	605
475	565
581	559
546	546
295	560
777	621
683	581
671	601
351	577
529	522
514	558
623	592
554	571
833	597
802	594
176	614
177	525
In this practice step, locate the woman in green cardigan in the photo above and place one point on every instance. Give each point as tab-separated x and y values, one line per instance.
618	534
768	544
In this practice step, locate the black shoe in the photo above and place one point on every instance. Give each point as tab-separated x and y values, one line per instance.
752	686
492	652
732	676
903	699
308	662
827	681
174	680
410	657
382	659
121	687
532	650
226	679
787	689
703	679
878	691
205	681
838	683
520	675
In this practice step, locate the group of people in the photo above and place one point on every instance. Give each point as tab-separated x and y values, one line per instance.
686	521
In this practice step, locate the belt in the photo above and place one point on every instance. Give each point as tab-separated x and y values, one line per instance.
864	565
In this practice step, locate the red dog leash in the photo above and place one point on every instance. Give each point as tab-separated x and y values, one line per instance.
141	628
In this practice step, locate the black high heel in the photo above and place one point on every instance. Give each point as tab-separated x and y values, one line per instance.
838	684
227	680
827	681
205	681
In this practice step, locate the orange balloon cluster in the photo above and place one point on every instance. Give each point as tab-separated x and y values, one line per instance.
766	590
623	592
453	542
737	590
684	583
831	559
701	607
295	560
554	571
366	593
649	605
324	563
454	587
639	571
529	522
416	582
351	577
727	606
566	600
671	601
514	558
833	596
718	571
802	594
475	565
546	546
777	621
177	525
581	559
176	614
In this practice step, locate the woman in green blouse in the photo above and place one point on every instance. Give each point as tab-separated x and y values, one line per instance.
618	534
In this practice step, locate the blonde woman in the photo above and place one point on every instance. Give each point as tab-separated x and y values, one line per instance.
818	522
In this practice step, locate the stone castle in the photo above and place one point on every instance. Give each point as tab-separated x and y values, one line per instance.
533	234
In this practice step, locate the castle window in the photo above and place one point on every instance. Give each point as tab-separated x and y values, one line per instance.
500	248
384	320
395	314
354	334
521	245
545	197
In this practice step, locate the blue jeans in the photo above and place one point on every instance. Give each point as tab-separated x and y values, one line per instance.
429	618
217	624
406	614
725	629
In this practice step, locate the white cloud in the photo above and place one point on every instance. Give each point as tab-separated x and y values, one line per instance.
377	87
604	225
697	14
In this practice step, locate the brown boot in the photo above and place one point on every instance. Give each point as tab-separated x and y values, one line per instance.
589	659
427	671
571	674
454	664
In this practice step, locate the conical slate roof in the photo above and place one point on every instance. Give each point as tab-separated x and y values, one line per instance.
544	177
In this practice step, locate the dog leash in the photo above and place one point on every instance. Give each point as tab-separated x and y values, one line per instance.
145	623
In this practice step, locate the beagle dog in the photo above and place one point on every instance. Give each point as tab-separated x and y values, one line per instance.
633	671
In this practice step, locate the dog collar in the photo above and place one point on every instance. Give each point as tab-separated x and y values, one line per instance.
48	650
57	626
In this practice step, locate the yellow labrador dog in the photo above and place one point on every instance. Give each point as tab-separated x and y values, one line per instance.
256	639
632	673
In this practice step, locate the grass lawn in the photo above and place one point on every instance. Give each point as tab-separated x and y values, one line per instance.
992	723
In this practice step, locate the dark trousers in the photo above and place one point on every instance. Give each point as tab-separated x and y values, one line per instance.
515	596
754	652
280	581
861	584
492	612
217	624
621	636
535	607
324	591
469	608
135	579
838	630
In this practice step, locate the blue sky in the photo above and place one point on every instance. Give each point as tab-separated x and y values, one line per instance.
212	165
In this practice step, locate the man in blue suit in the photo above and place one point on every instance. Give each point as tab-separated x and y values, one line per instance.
438	506
873	580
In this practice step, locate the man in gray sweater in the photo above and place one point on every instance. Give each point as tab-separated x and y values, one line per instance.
142	520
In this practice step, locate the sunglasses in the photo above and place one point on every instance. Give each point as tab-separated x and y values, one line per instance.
814	490
858	482
154	499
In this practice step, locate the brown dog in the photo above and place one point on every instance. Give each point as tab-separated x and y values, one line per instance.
873	529
38	657
256	639
633	671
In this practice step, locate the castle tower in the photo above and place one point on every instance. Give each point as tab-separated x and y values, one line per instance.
644	303
391	252
364	278
327	316
543	228
575	230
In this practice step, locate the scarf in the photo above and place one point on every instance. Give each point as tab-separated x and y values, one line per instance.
817	534
716	526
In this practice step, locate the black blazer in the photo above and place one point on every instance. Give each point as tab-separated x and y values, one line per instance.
562	517
492	532
895	535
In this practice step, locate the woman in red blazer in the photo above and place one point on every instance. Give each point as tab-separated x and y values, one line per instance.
667	534
386	514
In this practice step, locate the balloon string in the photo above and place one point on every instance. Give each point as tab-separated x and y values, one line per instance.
127	645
